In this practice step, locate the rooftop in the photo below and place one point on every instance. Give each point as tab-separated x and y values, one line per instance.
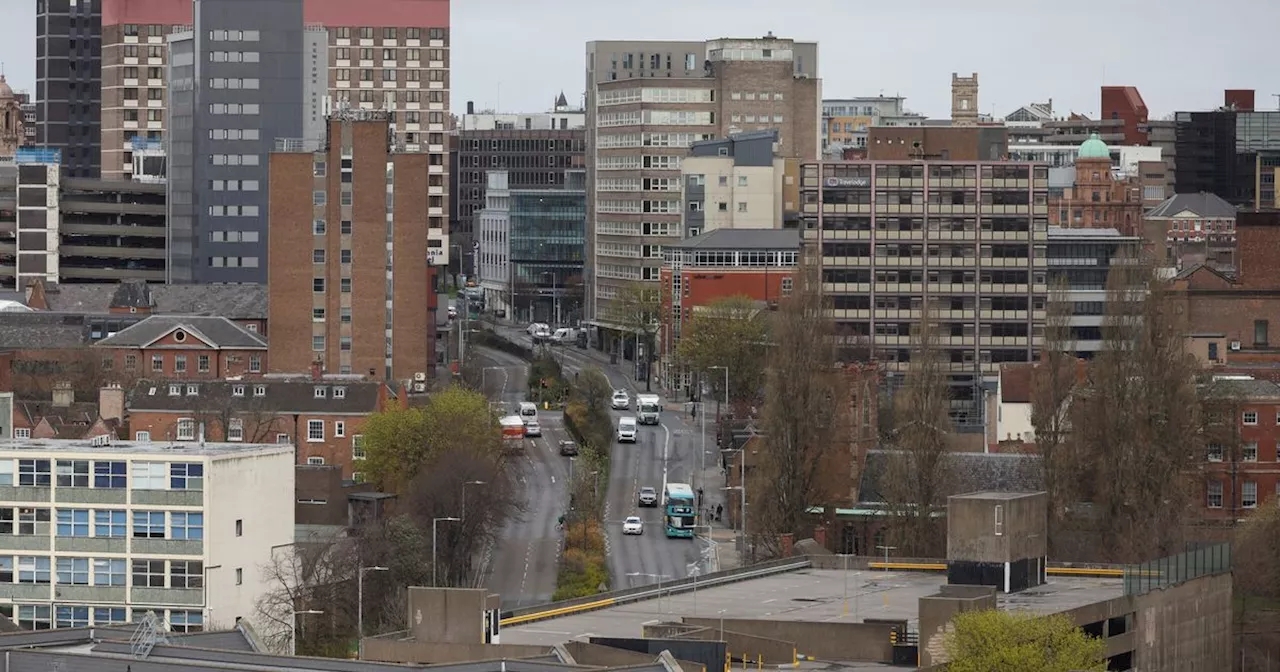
744	239
299	395
205	449
970	472
1202	204
805	595
1074	234
238	302
41	330
212	331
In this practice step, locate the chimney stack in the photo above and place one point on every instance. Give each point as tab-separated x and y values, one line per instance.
63	394
111	402
317	370
471	107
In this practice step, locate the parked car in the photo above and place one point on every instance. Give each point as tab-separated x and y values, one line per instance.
648	496
568	448
621	400
627	430
633	525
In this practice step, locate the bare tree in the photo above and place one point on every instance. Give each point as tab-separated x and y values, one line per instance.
639	310
914	482
803	418
1052	384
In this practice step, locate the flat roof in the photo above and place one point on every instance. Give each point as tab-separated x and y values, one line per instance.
203	449
804	595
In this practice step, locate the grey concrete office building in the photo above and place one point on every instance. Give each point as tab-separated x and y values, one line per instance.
238	83
68	82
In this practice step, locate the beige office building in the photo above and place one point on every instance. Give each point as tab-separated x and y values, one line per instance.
647	102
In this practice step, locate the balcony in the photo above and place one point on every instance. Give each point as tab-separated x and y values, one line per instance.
952	288
168	596
1018	315
953	262
953	235
1006	183
1005	262
952	183
897	314
900	182
856	262
950	209
900	287
849	313
899	262
142	546
1001	288
846	287
1006	209
899	235
1004	341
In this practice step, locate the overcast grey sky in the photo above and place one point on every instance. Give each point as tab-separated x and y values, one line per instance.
518	54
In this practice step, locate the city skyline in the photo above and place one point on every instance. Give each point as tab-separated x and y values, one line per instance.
489	35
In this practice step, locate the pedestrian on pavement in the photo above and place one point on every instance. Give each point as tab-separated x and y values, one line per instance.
719	510
693	411
699	496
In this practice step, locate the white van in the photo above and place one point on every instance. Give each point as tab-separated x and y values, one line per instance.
627	430
528	411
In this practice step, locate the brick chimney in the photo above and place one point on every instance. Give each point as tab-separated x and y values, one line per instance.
63	394
317	370
787	542
111	402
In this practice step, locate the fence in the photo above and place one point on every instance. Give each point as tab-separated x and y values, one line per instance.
1175	569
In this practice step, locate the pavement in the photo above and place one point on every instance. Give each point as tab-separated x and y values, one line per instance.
523	565
672	451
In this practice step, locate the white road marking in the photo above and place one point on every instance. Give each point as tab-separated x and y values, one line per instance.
666	448
553	480
546	632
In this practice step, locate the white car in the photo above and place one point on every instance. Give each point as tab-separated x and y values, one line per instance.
532	428
537	327
621	400
627	430
453	312
633	525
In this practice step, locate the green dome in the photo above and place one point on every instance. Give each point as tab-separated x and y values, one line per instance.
1094	148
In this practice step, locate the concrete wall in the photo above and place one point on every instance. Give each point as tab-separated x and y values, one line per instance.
737	643
936	612
973	534
432	653
447	615
831	641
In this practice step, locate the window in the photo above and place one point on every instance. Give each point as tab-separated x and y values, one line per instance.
130	362
108	572
33	569
148	475
318	198
317	284
1214	498
6	569
33	521
186	574
186	476
148	525
315	461
317	343
20	433
110	615
239	527
339	393
185	525
202	363
73	522
34	473
742	180
1215	452
237	390
317	256
35	617
157	363
344	285
71	617
186	429
239	576
6	472
1249	452
175	390
148	573
742	206
75	572
1250	418
318	392
259	390
255	365
235	429
111	524
357	447
315	430
73	473
1260	332
339	429
282	438
318	227
1249	495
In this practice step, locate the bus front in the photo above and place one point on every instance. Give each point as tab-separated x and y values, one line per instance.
681	511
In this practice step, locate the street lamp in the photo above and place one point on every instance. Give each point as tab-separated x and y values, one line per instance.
293	636
726	385
886	550
742	486
464	496
659	577
434	523
360	607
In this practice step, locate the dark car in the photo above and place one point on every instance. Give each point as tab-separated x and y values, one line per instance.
648	496
568	448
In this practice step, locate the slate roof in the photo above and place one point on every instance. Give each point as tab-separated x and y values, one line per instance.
219	332
238	302
68	422
744	239
966	472
41	330
1203	204
1242	388
281	396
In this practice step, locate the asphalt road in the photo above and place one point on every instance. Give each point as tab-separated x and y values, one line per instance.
667	452
522	565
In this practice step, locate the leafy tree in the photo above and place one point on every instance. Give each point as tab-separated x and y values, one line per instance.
594	389
400	442
638	309
1000	641
732	332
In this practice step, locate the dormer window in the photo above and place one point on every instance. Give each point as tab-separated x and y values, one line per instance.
175	390
237	390
319	393
339	393
192	390
259	390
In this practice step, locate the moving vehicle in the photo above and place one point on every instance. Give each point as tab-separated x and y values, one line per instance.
648	496
528	409
650	407
621	400
536	327
532	428
681	510
564	336
453	312
627	430
568	448
633	525
513	433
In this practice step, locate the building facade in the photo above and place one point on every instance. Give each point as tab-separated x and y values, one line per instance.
1080	260
1100	197
13	126
187	347
722	263
69	82
738	182
964	241
846	121
350	274
1194	228
1240	469
184	531
535	150
646	103
938	143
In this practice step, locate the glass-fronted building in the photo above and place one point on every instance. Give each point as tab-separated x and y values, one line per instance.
547	248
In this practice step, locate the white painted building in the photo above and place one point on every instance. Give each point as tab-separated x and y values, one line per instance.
1123	157
732	183
94	533
493	235
561	119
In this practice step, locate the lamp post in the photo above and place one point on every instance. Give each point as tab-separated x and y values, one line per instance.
886	550
360	607
464	496
726	384
208	611
435	522
293	636
722	624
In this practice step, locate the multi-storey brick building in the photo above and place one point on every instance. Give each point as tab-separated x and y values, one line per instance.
1100	197
184	347
646	103
1240	470
964	242
1193	228
350	278
320	415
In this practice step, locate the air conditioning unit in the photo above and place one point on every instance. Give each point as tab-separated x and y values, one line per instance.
1235	345
420	376
419	387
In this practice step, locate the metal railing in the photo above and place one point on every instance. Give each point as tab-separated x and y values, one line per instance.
1176	569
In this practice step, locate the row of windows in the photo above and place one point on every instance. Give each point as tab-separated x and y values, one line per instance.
389	75
234	185
234	262
655	95
152	115
414	54
669	229
233	134
152	94
1248	494
103	523
153	30
234	82
318	256
42	473
233	211
751	118
1248	451
234	35
367	33
153	72
1251	417
234	159
234	56
153	51
39	569
44	616
180	361
234	108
